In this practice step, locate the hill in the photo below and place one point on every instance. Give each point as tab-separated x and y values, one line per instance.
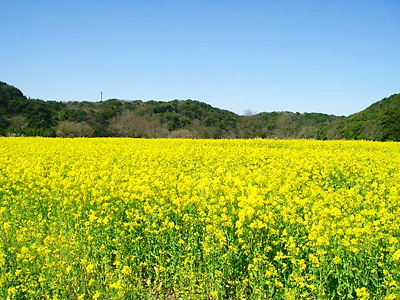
380	121
20	115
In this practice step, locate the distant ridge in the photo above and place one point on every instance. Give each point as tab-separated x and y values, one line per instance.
20	116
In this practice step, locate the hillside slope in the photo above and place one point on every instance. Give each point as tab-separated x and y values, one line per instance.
380	121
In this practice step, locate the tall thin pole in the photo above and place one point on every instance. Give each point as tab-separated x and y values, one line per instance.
101	96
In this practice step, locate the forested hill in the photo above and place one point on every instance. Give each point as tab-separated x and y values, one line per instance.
380	121
21	116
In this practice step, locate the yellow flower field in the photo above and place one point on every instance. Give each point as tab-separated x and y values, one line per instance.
199	219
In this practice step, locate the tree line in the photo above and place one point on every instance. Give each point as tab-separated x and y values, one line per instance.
22	116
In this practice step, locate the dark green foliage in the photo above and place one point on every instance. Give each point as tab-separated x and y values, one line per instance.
8	92
72	115
181	114
251	127
296	125
380	121
4	123
40	115
186	118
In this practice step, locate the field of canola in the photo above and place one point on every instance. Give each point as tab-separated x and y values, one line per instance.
199	219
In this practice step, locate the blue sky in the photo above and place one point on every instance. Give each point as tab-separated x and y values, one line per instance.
316	56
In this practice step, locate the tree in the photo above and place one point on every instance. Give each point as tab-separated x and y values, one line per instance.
250	126
129	124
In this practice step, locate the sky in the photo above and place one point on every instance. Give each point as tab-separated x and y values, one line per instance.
336	57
